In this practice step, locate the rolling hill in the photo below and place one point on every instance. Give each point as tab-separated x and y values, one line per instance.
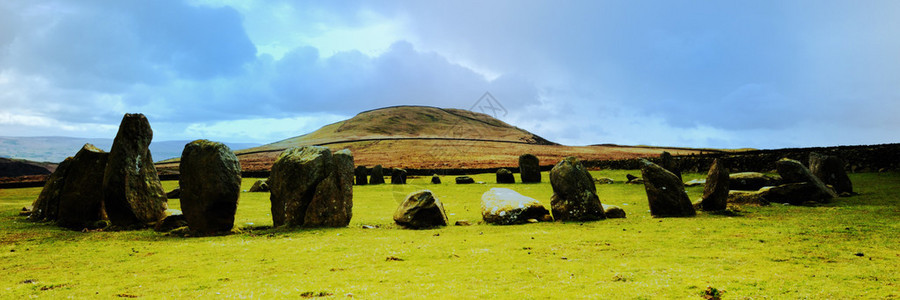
430	138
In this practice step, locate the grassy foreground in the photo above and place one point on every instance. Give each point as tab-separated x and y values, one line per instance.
847	249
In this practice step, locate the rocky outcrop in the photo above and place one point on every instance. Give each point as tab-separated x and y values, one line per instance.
715	192
420	210
377	175
574	194
529	168
751	181
505	176
132	193
361	175
793	171
665	192
260	186
210	186
398	176
312	187
504	206
81	198
830	169
464	180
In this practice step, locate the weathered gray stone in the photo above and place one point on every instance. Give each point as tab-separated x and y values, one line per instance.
46	206
420	210
574	194
312	187
613	212
794	193
377	175
505	176
529	168
361	173
398	176
715	192
435	179
464	180
793	171
830	169
260	186
81	199
668	162
210	186
751	181
746	198
665	192
604	180
132	193
504	206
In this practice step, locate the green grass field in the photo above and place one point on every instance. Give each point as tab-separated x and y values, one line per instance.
849	249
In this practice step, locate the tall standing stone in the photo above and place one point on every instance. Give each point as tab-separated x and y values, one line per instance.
210	186
81	200
830	169
574	194
505	176
529	168
312	187
377	175
361	175
132	193
668	162
665	192
46	206
793	171
715	192
398	176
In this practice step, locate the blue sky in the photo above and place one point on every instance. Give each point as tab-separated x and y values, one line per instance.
727	74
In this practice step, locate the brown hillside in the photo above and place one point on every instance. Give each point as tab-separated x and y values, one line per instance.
418	137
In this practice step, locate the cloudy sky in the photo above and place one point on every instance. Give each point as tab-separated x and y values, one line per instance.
727	74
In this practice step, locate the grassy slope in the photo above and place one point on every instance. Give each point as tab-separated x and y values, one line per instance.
768	252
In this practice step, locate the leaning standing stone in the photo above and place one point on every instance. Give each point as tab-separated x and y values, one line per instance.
81	200
398	176
361	172
505	176
132	194
665	192
715	192
830	169
311	187
210	186
504	206
574	194
377	175
46	206
420	210
529	168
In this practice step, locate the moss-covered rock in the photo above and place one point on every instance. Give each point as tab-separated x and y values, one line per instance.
574	194
529	168
665	192
132	193
210	186
311	187
420	210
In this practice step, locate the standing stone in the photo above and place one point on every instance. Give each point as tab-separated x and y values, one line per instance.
435	179
377	175
715	192
529	168
398	176
504	206
81	199
668	162
574	194
421	210
260	186
46	206
361	173
210	186
312	187
665	192
464	180
830	169
793	171
505	176
132	193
